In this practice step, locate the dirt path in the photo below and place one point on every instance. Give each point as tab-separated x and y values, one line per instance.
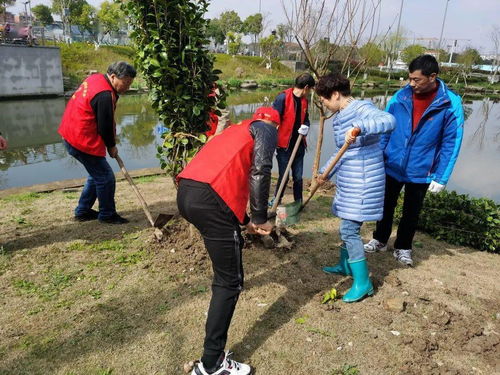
98	299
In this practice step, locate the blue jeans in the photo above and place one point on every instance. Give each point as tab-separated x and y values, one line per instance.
349	233
100	184
283	156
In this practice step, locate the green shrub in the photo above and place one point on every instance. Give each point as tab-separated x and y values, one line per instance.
460	220
265	83
285	81
233	82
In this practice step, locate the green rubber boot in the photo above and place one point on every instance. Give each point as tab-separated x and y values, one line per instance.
342	267
362	285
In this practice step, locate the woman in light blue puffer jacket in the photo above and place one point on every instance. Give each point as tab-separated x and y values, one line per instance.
360	175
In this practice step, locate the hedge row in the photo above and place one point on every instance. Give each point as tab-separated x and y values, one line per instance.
460	220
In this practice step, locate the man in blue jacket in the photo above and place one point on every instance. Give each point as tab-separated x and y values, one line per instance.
419	154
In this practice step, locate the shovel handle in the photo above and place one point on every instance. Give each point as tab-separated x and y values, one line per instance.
330	167
284	178
136	190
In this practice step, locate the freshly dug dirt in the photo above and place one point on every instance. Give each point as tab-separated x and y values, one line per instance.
88	298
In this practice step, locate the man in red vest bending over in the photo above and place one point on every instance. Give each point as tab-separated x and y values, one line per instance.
88	130
292	106
214	189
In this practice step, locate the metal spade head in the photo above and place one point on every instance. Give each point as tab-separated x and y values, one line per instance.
161	220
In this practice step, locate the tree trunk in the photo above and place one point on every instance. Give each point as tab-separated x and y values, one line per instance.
319	145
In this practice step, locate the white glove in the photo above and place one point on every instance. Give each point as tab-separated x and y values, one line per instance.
435	187
303	129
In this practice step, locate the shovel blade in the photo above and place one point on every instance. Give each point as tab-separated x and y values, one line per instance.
161	220
288	214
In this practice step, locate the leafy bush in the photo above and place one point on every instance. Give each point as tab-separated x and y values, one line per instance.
285	81
265	83
460	220
233	82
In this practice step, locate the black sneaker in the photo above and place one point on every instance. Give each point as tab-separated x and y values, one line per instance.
87	216
114	219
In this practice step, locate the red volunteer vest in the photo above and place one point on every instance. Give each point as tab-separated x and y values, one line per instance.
224	163
78	125
288	120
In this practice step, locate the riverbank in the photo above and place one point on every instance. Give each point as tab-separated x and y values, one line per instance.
80	59
85	298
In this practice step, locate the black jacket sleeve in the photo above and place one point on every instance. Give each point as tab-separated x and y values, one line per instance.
265	139
102	105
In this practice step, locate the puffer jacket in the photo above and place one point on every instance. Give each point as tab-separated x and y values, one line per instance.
430	152
360	172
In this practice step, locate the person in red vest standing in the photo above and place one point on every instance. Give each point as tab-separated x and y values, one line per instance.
292	107
88	129
214	189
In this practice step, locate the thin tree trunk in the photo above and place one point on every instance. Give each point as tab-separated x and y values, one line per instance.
319	145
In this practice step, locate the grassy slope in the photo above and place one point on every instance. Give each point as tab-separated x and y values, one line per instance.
79	58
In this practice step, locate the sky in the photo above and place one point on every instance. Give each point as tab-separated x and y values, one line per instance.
470	22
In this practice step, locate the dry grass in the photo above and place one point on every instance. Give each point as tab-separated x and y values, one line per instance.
84	298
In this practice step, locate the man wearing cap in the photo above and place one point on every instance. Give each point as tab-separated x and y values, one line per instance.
214	189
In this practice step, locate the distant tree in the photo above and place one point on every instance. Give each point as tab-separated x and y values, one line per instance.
284	32
80	14
110	17
86	20
233	43
469	57
230	21
3	7
411	52
371	54
270	46
43	14
214	31
495	38
253	25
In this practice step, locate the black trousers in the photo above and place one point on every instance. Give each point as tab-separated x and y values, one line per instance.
220	230
412	205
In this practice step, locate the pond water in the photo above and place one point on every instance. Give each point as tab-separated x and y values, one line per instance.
36	154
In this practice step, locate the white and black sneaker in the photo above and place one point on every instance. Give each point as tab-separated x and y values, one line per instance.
403	256
227	367
374	245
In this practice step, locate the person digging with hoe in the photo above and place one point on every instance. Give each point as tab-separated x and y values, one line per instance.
88	130
360	173
213	193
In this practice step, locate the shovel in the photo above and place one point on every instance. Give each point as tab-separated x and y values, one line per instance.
276	211
161	220
289	214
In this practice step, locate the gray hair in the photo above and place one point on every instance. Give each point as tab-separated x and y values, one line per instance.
122	69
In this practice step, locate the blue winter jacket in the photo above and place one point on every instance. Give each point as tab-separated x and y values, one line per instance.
360	172
430	152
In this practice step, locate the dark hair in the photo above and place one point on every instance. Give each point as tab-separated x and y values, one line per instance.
333	82
305	79
425	63
122	69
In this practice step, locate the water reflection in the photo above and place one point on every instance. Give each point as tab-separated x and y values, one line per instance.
36	154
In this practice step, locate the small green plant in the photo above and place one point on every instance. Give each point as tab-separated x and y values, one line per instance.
346	370
25	197
95	294
301	320
330	296
145	179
